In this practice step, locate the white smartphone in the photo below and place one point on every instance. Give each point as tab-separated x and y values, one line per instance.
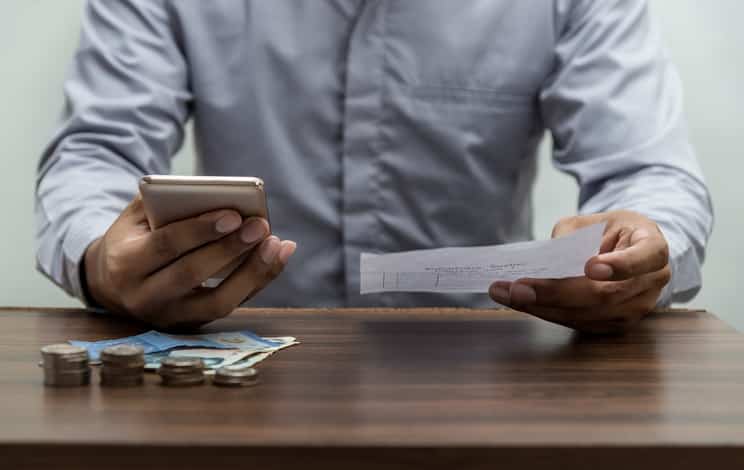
168	199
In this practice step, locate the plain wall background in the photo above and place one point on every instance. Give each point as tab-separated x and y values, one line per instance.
706	39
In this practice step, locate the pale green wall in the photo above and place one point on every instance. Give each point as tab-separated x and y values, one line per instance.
37	38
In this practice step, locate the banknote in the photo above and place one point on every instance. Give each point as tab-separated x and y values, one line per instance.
212	358
216	358
237	344
251	360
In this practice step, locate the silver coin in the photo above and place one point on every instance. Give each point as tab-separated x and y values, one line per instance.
180	372
66	372
122	353
62	370
78	364
175	363
65	365
122	371
62	349
133	365
183	378
235	383
65	361
234	376
63	358
67	380
237	371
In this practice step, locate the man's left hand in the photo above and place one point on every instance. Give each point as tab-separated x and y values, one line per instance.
622	283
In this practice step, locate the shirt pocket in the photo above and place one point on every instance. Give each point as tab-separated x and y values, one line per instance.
472	133
462	81
457	162
493	46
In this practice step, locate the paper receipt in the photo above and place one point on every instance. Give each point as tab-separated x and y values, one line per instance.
474	269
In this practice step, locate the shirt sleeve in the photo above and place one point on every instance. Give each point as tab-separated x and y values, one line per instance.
126	100
614	107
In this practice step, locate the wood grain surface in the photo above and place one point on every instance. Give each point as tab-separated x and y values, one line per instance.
443	388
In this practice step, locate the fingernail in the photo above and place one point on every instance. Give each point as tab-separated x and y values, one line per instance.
269	249
254	231
522	294
288	248
600	272
499	294
228	223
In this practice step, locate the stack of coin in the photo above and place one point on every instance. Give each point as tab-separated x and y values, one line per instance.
181	371
65	365
230	376
123	365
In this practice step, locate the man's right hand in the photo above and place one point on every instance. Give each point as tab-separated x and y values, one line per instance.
156	275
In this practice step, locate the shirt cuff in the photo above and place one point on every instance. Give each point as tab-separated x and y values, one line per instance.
686	279
81	234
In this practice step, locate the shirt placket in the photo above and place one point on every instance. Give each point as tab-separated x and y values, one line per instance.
360	147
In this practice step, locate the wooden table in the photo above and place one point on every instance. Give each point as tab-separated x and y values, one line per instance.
402	388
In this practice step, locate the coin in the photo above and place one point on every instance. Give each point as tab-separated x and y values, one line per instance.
123	365
181	371
62	349
182	363
123	353
65	365
235	377
183	381
67	380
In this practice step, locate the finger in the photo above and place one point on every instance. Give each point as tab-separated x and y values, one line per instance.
623	239
609	240
192	269
164	245
287	249
575	292
578	292
617	318
561	316
601	271
602	319
499	292
645	253
261	267
613	239
204	305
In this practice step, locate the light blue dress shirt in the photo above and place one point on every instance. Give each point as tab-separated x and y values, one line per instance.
378	126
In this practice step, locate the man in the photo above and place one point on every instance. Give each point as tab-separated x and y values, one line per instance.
378	126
